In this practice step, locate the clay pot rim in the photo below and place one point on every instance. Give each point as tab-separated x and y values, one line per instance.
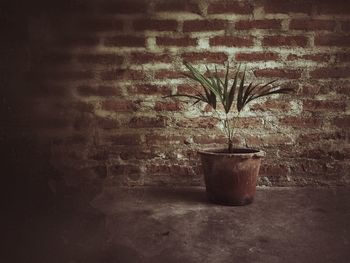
221	152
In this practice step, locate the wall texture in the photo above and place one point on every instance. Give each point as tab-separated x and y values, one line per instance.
82	85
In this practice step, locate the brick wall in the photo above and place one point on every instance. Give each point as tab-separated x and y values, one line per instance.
86	81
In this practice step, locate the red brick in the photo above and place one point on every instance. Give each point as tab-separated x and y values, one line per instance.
341	7
343	89
341	155
231	41
158	169
107	58
168	74
82	122
258	24
147	122
294	41
309	166
180	42
167	106
204	25
161	139
188	89
209	140
285	7
230	7
176	6
303	24
123	74
342	122
313	57
310	90
301	122
120	169
199	122
314	154
120	105
274	170
147	57
148	89
210	57
124	7
330	72
169	169
155	25
278	73
136	153
256	56
332	40
345	26
342	57
79	106
272	105
268	140
107	123
324	105
249	122
101	24
125	139
125	41
102	91
324	136
325	87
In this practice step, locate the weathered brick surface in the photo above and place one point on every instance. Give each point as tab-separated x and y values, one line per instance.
256	56
278	73
332	40
225	7
204	25
258	24
125	41
304	24
278	41
181	42
176	6
231	41
211	57
89	83
285	7
155	25
148	57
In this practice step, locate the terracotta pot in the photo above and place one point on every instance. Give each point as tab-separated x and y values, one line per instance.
230	178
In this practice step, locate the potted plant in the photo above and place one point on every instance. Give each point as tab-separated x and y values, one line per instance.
230	174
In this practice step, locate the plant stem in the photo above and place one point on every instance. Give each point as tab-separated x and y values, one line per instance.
228	129
231	131
223	122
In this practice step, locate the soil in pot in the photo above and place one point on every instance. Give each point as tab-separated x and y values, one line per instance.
230	178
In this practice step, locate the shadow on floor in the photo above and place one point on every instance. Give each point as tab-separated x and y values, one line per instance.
194	195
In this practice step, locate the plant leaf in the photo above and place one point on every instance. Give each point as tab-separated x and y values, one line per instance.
271	91
206	83
232	92
183	95
240	93
246	94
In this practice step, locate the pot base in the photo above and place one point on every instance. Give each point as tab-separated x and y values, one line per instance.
230	202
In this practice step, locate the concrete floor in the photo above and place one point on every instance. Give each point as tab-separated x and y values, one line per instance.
179	225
